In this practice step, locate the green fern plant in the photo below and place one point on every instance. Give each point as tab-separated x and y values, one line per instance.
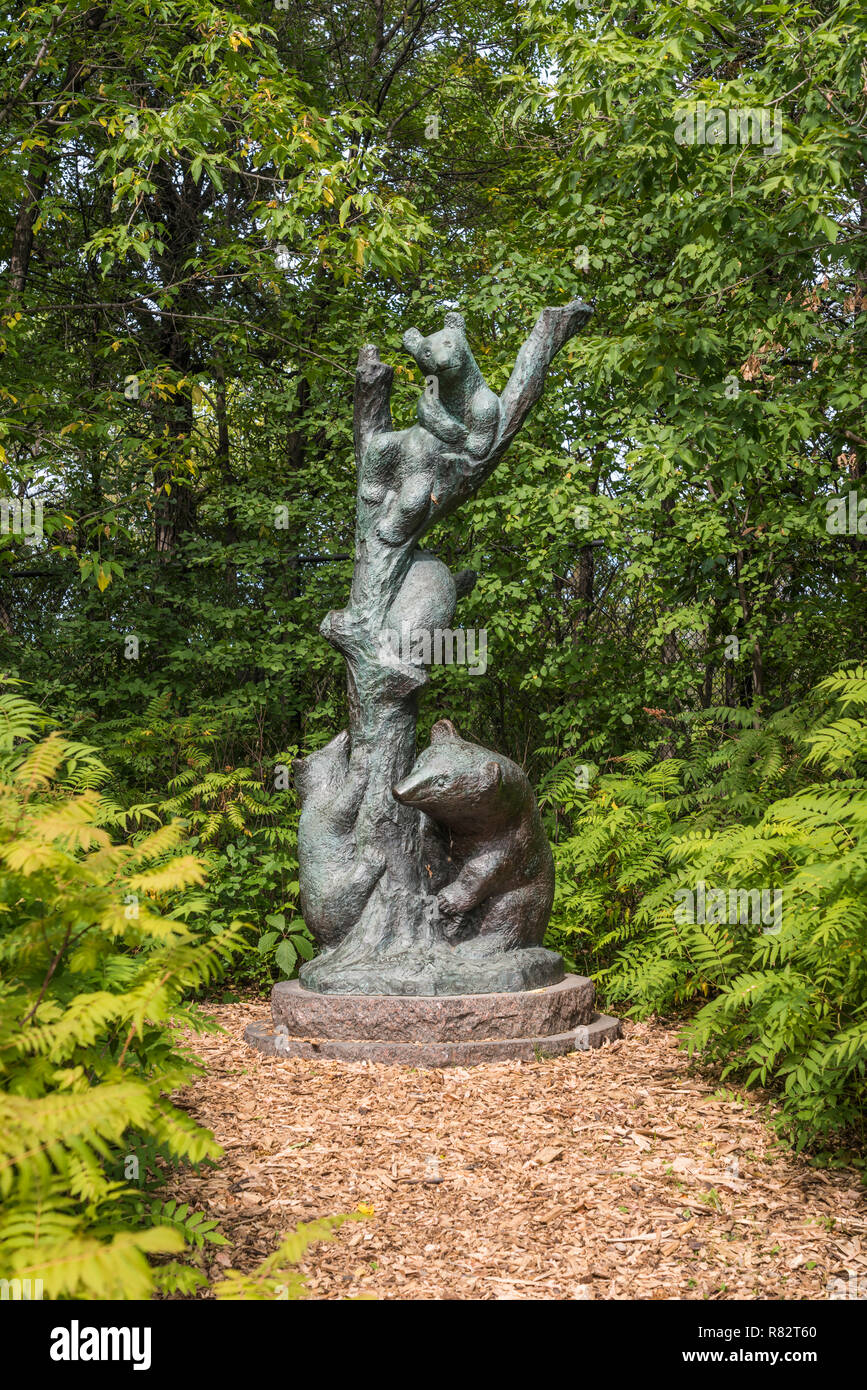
778	807
243	829
96	979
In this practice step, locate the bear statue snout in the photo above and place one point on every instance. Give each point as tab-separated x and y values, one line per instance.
406	790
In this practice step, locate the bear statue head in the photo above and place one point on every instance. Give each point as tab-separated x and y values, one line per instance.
323	773
441	354
452	781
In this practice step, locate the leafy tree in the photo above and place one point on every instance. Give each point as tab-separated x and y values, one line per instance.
206	209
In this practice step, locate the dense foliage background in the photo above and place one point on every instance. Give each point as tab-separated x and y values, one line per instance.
205	210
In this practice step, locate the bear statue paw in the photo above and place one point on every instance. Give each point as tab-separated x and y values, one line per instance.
452	900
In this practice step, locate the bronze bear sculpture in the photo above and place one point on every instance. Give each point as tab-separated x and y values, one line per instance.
335	880
490	830
404	471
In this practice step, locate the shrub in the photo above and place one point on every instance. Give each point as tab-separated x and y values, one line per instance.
96	970
781	806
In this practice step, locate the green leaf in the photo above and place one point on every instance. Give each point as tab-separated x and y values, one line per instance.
286	957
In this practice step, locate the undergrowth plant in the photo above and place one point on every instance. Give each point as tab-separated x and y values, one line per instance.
778	807
97	974
241	820
276	1277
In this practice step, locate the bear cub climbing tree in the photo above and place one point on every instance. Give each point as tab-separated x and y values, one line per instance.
431	876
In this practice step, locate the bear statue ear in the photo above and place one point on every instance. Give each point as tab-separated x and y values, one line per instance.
455	320
493	773
412	341
443	729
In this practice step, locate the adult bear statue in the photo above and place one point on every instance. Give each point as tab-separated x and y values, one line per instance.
492	833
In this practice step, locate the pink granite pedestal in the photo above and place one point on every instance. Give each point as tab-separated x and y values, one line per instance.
433	1030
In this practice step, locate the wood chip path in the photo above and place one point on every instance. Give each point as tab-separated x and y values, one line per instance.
614	1174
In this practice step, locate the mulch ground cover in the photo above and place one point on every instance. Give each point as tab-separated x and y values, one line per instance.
612	1174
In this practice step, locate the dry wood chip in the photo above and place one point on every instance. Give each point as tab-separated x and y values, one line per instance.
549	1155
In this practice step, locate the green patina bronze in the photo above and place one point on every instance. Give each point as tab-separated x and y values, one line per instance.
428	876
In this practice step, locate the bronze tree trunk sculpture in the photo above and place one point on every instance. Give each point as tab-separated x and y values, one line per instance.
374	867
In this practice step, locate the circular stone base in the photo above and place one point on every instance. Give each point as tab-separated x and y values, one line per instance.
445	1054
435	1017
436	1030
